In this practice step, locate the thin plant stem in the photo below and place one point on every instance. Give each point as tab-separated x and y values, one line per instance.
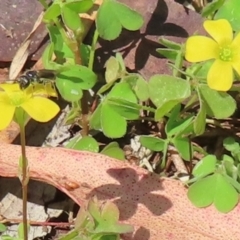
165	150
93	48
74	41
84	99
25	178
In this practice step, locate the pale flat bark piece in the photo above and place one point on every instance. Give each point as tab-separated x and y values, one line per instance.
22	53
158	208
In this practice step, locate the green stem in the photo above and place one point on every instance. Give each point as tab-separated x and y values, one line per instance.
84	100
178	64
74	42
24	181
93	48
165	150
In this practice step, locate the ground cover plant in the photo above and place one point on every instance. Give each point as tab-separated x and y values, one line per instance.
198	97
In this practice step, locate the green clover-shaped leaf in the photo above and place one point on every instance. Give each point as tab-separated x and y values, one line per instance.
113	16
214	189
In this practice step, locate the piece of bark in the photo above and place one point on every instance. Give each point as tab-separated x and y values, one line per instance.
17	19
157	207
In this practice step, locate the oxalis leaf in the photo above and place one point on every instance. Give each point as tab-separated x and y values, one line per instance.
153	143
61	50
118	16
113	150
112	69
213	189
169	44
170	54
113	125
184	147
126	109
138	84
86	143
69	90
212	7
230	10
81	6
123	100
218	104
230	144
177	128
107	118
164	109
73	80
164	88
106	218
123	91
207	165
71	18
52	12
84	77
95	119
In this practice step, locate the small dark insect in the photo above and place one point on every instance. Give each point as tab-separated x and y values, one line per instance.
42	76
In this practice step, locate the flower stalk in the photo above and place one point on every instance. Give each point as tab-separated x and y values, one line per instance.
24	180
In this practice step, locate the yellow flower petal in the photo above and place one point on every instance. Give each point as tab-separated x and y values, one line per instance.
4	97
7	112
236	53
220	30
41	109
200	48
18	98
220	76
10	87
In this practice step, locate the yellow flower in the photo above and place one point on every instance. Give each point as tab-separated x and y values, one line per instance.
38	107
221	47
